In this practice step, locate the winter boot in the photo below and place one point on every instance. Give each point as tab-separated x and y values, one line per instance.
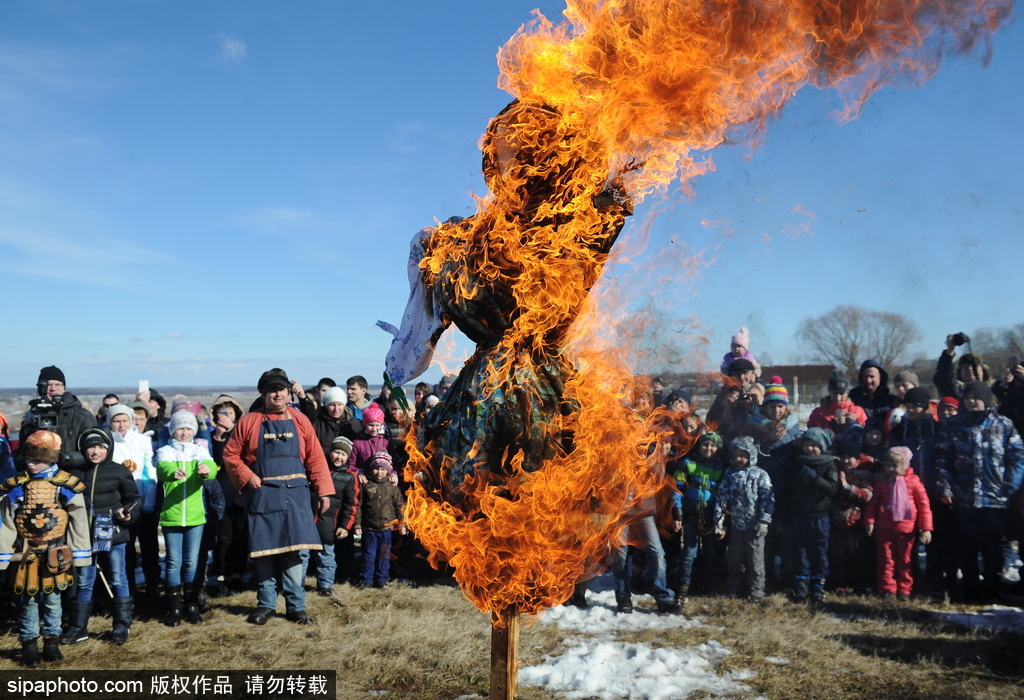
201	601
579	597
152	583
51	648
78	623
174	599
192	614
817	590
122	614
30	653
800	588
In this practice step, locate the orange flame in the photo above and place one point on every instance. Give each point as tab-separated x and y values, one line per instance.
533	465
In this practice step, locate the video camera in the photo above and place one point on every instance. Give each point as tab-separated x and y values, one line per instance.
46	410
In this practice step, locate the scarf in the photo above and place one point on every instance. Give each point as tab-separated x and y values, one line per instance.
900	500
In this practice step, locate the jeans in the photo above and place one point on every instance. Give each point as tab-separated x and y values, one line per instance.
266	570
376	556
183	545
810	535
643	534
113	564
28	620
326	565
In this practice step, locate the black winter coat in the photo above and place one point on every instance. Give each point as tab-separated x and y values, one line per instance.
342	511
72	421
328	428
108	487
810	497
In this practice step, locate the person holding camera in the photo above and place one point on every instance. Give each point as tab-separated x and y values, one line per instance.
950	380
60	412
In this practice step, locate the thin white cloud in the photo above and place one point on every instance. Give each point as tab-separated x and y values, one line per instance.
175	335
406	138
233	50
275	219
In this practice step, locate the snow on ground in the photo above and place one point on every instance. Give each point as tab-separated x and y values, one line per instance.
595	663
994	616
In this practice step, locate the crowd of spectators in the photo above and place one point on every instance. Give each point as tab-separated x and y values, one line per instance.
895	490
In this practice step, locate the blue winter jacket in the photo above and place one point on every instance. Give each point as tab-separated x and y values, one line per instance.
979	459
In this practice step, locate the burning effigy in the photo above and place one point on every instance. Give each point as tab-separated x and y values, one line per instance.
524	473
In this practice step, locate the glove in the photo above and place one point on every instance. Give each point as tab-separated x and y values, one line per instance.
809	473
761	530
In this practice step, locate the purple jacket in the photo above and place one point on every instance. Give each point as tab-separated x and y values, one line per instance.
363	448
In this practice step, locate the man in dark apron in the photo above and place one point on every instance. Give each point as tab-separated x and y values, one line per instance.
274	459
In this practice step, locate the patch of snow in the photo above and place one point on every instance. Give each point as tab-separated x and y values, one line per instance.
612	670
994	616
777	660
602	617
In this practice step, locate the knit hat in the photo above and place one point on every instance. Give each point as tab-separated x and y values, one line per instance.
431	401
904	453
776	391
182	419
741	364
711	436
51	374
741	338
119	409
334	395
846	448
272	380
820	437
874	423
139	406
918	396
42	446
381	459
907	375
979	390
839	382
949	401
95	436
746	444
677	394
373	414
342	443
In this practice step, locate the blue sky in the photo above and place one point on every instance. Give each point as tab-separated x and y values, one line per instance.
191	193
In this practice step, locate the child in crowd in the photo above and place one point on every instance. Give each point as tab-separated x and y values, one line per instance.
380	508
746	496
849	550
368	443
837	413
335	561
57	530
948	407
815	482
874	445
113	498
182	466
898	511
739	348
7	468
693	513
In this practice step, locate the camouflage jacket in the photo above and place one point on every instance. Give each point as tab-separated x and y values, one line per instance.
979	459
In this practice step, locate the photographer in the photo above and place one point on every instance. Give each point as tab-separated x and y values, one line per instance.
969	368
60	412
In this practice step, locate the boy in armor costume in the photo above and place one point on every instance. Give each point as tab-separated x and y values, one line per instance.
45	533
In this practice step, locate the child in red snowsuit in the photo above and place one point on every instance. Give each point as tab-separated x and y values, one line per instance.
899	508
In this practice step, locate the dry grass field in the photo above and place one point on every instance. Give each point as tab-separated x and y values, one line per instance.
428	642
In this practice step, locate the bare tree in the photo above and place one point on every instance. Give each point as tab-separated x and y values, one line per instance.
997	345
848	335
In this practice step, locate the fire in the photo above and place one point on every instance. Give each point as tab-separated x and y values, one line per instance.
525	474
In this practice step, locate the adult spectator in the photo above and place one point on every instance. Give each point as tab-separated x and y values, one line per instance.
108	401
157	410
356	388
60	412
1010	392
872	393
657	391
274	458
232	548
335	419
949	379
839	413
732	407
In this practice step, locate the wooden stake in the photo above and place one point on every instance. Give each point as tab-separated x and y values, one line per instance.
505	654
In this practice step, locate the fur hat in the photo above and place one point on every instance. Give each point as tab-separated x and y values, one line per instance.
741	338
918	396
42	446
119	409
51	374
979	390
741	364
820	437
776	391
226	400
373	414
334	395
182	419
381	459
342	443
839	382
95	436
903	452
